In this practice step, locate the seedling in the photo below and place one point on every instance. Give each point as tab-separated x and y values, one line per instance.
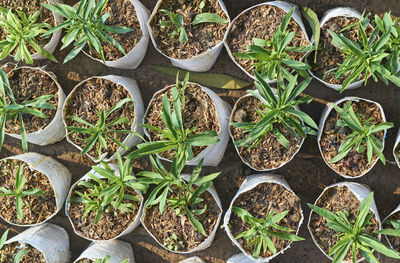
101	194
272	57
394	229
364	57
176	21
103	129
10	109
107	259
262	229
22	31
172	242
185	196
86	25
19	191
352	234
175	137
20	254
277	109
363	136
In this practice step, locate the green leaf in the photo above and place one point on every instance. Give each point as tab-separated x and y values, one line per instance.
20	254
313	21
378	246
196	223
3	239
208	18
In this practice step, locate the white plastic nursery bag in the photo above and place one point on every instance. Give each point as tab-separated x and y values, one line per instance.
116	249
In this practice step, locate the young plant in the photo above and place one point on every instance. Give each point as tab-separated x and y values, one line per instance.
394	229
352	234
101	130
364	57
185	195
22	31
363	137
172	243
10	109
19	191
262	229
20	254
86	25
272	57
175	137
176	21
277	109
107	259
110	192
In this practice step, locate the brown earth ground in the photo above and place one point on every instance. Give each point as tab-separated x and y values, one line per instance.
307	173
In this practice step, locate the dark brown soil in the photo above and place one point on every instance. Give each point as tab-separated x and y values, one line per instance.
328	56
91	97
261	22
169	223
35	209
111	223
394	241
27	85
336	199
9	251
85	260
397	151
30	7
354	164
268	153
202	37
259	202
199	112
122	14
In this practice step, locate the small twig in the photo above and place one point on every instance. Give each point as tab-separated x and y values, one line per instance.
316	99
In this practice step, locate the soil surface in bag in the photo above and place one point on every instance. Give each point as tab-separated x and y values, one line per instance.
123	14
9	251
332	137
261	22
35	208
337	199
27	85
112	222
259	202
199	112
201	37
328	56
269	153
307	174
29	7
91	97
164	226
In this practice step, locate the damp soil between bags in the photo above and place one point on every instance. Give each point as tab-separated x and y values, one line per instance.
35	209
169	223
261	22
199	111
111	224
30	7
354	164
9	251
91	97
123	13
269	153
260	201
28	84
202	37
328	56
336	199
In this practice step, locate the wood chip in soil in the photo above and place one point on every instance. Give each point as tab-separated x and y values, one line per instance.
28	84
269	153
122	14
394	241
261	22
336	199
91	97
35	209
111	223
30	7
169	223
328	56
9	251
259	202
354	164
199	112
202	37
85	260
